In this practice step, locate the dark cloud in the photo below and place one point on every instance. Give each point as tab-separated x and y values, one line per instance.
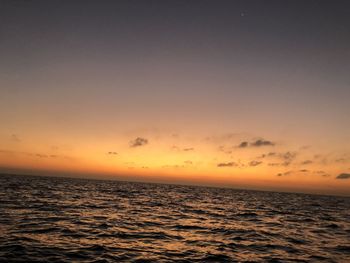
306	162
243	145
265	155
112	153
37	155
285	173
188	149
139	141
230	164
255	163
304	171
257	143
343	176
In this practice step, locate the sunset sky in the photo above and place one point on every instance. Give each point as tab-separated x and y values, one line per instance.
243	94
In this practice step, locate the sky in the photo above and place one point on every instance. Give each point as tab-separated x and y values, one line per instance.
242	94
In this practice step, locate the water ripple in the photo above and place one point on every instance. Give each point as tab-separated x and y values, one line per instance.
63	220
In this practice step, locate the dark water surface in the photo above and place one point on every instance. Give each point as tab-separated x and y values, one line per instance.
72	220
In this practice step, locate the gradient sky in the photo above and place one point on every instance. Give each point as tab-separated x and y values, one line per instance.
247	94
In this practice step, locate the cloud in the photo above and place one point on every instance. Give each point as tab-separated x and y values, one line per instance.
230	164
285	173
188	149
112	153
243	145
322	173
306	162
255	163
265	155
288	157
139	141
343	176
257	143
15	138
175	166
177	148
188	162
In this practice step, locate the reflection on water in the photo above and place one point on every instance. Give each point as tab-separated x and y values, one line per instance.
65	220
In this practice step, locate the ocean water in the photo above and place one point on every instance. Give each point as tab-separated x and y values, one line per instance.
45	219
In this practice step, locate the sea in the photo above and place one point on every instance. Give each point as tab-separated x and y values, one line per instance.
50	219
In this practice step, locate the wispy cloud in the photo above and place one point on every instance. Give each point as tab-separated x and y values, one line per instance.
322	173
255	163
177	148
139	141
15	138
286	158
112	153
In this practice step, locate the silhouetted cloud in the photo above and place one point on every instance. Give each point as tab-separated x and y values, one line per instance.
285	173
343	176
37	155
243	145
303	171
230	164
257	143
139	141
255	163
265	155
188	149
306	162
112	153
